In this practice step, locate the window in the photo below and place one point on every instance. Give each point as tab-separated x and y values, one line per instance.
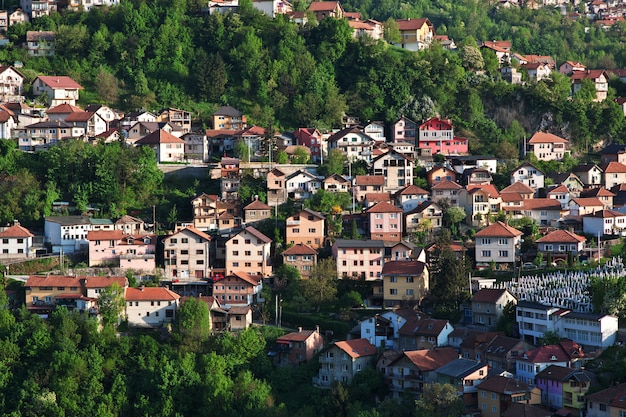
409	292
393	291
393	279
504	253
184	240
409	279
486	253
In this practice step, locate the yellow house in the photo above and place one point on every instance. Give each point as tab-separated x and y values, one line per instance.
404	282
575	387
416	34
305	227
497	393
43	291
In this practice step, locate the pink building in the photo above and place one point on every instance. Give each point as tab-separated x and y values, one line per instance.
385	222
403	130
113	247
437	136
356	259
312	139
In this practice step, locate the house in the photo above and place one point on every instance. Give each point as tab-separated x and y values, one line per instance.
68	234
465	375
370	27
462	162
403	130
437	136
353	143
139	130
614	174
416	34
167	147
537	71
440	173
544	211
181	118
502	50
196	147
446	190
57	89
501	352
479	202
312	139
239	317
230	178
238	288
298	347
550	382
272	8
375	198
228	118
336	184
307	227
11	84
301	256
413	369
249	251
301	185
18	16
599	78
385	222
474	344
561	244
16	242
410	197
488	305
186	254
605	222
569	180
130	225
367	184
581	206
105	112
343	360
608	402
497	393
426	216
518	192
44	293
476	176
205	212
276	187
40	43
569	67
91	123
383	329
566	353
529	175
324	9
45	134
150	306
128	252
547	147
424	333
359	258
256	211
497	243
396	169
589	174
615	152
561	194
8	122
404	282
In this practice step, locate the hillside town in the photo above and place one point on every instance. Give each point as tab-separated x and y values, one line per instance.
499	278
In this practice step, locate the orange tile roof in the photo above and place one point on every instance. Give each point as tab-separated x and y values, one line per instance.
614	168
446	185
157	137
58	82
64	109
412	24
545	137
52	281
561	236
300	336
150	294
257	205
250	279
370	180
499	229
559	189
384	207
518	187
588	202
103	282
412	189
490	188
300	249
16	231
427	360
541	204
322	6
488	295
254	232
105	235
357	348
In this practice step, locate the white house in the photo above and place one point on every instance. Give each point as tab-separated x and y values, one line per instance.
272	7
566	354
497	243
11	84
353	143
547	147
528	174
150	306
167	147
58	89
301	185
382	330
16	242
396	168
605	222
68	234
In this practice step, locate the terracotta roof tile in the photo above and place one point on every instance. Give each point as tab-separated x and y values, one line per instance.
357	348
446	185
370	180
384	207
257	205
52	281
300	249
544	137
158	137
300	336
412	268
427	360
103	282
518	187
488	295
561	236
150	294
16	231
499	229
60	82
503	385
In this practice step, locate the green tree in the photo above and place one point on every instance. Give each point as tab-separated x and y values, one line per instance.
111	304
193	324
321	287
282	158
439	400
391	31
472	58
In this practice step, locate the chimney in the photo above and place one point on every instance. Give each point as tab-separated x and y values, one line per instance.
299	329
317	328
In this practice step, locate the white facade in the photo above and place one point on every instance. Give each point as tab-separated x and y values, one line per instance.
529	175
68	234
152	313
302	185
605	222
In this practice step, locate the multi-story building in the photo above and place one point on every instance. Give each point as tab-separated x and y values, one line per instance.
497	243
446	190
128	252
465	375
404	130
479	202
425	217
547	147
566	353
276	187
298	347
150	306
437	136
529	175
608	402
591	175
359	258
560	244
404	282
306	227
43	135
301	256
385	222
415	34
312	139
605	222
561	386
68	234
58	89
497	393
614	174
367	184
228	118
186	254
16	242
167	147
301	185
336	183
11	84
256	211
343	360
249	251
238	288
488	305
410	197
424	333
353	144
396	169
178	117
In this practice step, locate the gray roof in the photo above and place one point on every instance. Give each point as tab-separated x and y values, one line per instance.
534	305
227	111
100	221
585	316
460	367
355	243
69	220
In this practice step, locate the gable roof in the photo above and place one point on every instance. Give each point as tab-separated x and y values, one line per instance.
561	236
460	367
597	192
369	180
300	249
526	165
52	281
254	232
564	351
227	111
324	6
489	188
613	395
427	360
423	326
558	189
446	185
249	278
64	109
257	205
545	137
413	24
411	268
613	168
312	213
383	207
16	231
606	214
60	82
299	336
499	229
518	187
357	348
588	202
158	137
488	295
150	294
503	385
103	282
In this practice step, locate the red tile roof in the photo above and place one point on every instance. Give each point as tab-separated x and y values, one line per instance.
518	187
322	6
384	207
378	197
412	268
412	190
541	204
257	205
52	281
58	82
499	229
254	232
614	168
250	279
150	294
588	202
103	282
597	192
561	236
488	295
16	231
105	235
489	188
446	185
427	360
79	116
426	327
370	180
64	109
157	137
559	189
503	385
300	249
300	336
357	348
545	137
563	352
412	24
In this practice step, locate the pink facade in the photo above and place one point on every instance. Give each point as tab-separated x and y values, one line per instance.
438	136
385	222
359	258
312	139
113	247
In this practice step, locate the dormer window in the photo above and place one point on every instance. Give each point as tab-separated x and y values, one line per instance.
130	240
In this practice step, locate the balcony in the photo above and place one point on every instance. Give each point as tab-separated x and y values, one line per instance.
293	222
139	256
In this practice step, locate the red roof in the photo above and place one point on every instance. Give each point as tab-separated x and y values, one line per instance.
157	137
544	137
499	229
250	279
105	235
357	348
565	351
489	188
413	24
370	180
79	116
561	236
427	360
52	281
64	109
614	168
588	74
446	185
150	294
16	231
559	189
411	268
257	205
541	204
377	197
321	6
425	326
518	187
588	202
488	295
300	336
412	190
300	249
58	82
384	207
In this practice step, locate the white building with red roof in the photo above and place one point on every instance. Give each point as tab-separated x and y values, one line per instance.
547	147
560	243
324	9
614	174
605	222
16	242
167	147
585	205
238	288
566	353
343	360
58	89
599	78
410	197
479	202
446	190
150	306
497	243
